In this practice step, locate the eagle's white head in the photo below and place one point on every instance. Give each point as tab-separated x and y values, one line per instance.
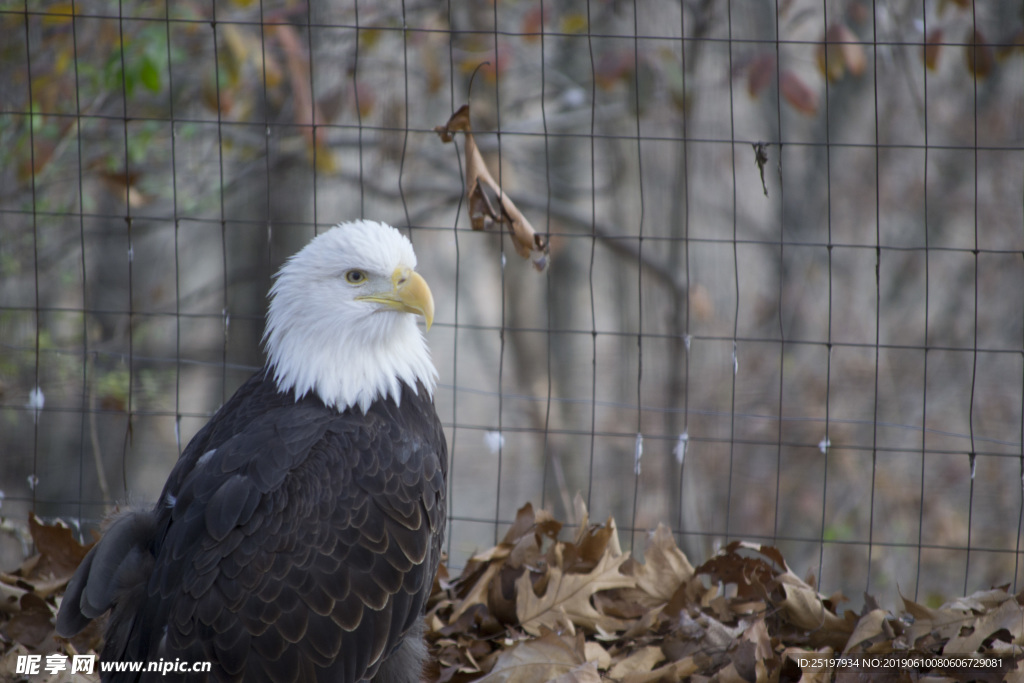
342	318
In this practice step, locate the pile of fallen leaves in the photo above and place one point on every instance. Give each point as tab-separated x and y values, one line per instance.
540	608
537	608
29	597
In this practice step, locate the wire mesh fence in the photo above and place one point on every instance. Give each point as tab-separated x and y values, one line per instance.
783	297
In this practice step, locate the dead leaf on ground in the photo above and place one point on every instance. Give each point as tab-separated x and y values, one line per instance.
641	661
584	673
869	626
1009	617
545	657
565	601
665	566
59	550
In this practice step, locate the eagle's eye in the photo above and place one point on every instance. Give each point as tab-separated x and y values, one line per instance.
355	277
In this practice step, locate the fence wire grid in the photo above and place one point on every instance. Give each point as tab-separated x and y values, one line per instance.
784	293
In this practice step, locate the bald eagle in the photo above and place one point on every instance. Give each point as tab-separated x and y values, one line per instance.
298	535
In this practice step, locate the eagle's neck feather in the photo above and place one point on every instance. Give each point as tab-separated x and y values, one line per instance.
347	370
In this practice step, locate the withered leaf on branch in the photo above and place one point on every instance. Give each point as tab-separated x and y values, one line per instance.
932	49
308	116
978	54
839	52
760	73
797	93
488	204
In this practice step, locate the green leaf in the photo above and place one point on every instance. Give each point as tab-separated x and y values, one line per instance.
149	74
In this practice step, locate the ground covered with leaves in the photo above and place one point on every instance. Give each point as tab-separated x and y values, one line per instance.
540	607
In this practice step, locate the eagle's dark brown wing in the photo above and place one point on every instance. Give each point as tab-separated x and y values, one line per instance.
292	543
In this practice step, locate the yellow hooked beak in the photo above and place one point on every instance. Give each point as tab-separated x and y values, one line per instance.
409	293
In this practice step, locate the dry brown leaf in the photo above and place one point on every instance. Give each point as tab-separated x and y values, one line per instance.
497	553
308	116
868	626
679	670
640	661
565	602
592	543
477	595
484	575
760	577
542	523
797	94
853	53
757	633
829	56
805	609
978	54
840	52
1015	44
532	26
501	600
730	674
944	622
932	49
595	652
483	213
33	623
689	593
665	566
754	577
980	601
60	554
581	516
760	73
1009	615
753	656
703	634
584	673
525	521
10	594
630	607
539	659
